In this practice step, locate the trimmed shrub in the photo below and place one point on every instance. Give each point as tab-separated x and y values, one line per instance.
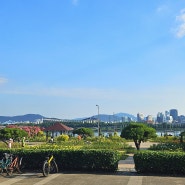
88	160
160	162
170	146
63	137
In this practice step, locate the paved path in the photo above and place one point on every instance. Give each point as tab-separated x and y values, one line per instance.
118	178
128	165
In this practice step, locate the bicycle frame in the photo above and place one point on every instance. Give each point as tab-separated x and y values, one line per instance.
49	166
9	164
50	159
14	162
3	164
6	161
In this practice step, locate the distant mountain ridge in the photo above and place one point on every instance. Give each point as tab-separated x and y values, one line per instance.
21	118
34	117
112	118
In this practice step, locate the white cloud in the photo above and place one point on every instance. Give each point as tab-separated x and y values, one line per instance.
3	80
180	31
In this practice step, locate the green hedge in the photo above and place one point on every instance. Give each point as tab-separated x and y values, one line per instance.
160	162
88	160
168	146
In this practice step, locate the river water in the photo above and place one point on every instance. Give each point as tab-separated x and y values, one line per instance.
171	133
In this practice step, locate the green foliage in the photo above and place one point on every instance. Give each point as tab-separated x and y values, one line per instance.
138	132
40	134
182	135
111	143
160	162
165	139
14	133
87	160
170	146
3	145
63	137
89	144
85	132
38	139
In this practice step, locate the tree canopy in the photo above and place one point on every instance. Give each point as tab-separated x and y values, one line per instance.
138	132
182	135
84	132
14	133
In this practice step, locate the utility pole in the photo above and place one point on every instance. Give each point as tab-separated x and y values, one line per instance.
98	120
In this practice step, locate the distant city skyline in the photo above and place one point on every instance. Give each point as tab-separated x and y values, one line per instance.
62	58
114	113
170	116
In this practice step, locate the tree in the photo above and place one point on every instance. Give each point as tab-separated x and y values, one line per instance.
14	133
138	132
182	134
31	130
84	132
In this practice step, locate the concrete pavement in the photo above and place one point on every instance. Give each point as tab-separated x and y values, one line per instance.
124	176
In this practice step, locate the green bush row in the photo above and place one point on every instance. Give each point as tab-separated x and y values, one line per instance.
170	146
88	160
160	162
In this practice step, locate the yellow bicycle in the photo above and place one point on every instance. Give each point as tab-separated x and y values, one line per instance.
49	166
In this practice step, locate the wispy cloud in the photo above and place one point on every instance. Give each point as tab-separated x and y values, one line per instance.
75	2
3	80
180	31
162	8
79	93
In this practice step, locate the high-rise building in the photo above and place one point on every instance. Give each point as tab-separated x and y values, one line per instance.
169	119
167	113
140	117
149	119
181	119
174	114
160	117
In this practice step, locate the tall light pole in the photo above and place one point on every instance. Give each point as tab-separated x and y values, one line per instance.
98	120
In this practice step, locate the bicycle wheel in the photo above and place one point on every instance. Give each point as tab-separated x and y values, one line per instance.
9	170
53	167
1	170
19	165
45	168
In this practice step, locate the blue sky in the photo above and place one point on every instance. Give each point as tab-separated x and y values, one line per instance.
59	58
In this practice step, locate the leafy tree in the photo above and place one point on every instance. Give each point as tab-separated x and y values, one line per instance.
84	132
182	134
31	130
138	132
14	133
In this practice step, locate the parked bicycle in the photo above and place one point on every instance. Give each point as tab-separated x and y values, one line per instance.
10	164
49	166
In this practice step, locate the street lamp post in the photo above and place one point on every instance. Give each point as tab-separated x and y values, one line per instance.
98	120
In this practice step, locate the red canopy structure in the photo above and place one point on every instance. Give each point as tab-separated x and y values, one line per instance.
58	128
